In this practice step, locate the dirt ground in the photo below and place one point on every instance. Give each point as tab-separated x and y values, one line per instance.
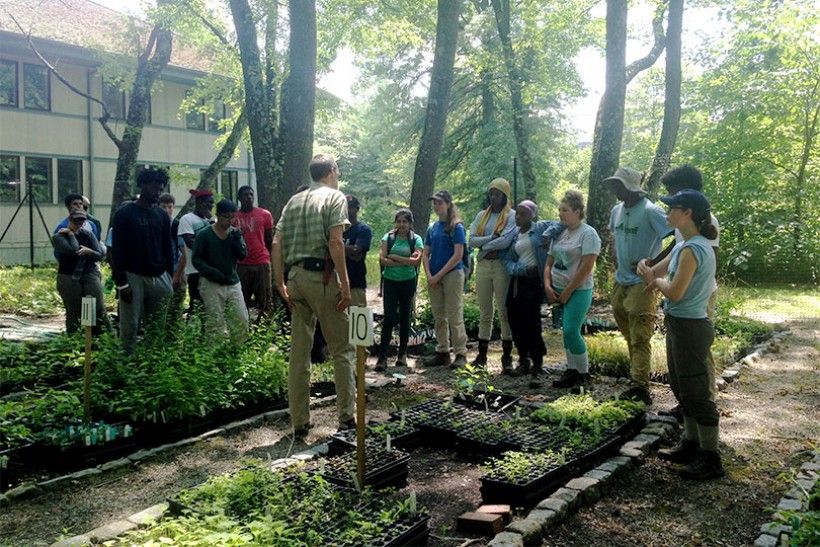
769	422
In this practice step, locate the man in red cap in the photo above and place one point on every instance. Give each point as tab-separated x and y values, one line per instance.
189	225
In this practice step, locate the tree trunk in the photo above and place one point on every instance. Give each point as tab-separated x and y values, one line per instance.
438	99
149	66
810	131
207	181
261	113
298	101
502	20
609	125
671	105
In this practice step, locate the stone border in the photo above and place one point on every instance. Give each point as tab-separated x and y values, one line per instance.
586	489
143	518
777	532
29	490
773	344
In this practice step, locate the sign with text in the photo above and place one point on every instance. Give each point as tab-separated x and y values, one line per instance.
361	326
88	317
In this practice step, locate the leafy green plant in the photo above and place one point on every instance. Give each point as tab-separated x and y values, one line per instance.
585	414
474	383
522	467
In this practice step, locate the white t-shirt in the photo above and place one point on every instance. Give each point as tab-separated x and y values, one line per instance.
524	250
191	223
713	242
567	251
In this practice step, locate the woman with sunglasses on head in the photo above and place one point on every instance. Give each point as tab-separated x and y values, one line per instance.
685	278
399	257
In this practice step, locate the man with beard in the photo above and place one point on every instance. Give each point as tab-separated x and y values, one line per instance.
142	260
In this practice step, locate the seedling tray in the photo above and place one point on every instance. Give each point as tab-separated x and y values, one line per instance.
499	491
344	441
383	469
588	459
495	402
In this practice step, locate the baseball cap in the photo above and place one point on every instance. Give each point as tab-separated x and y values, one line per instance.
689	199
630	178
442	195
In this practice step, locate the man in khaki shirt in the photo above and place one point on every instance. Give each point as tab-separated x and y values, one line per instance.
308	240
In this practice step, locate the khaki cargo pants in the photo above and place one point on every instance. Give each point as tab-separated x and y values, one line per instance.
635	312
447	303
314	300
491	282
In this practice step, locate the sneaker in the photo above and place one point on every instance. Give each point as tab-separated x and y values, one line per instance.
349	424
523	368
581	384
401	360
569	378
637	393
381	364
706	465
436	360
675	412
682	453
459	362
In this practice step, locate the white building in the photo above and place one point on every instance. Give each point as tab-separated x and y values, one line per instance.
50	140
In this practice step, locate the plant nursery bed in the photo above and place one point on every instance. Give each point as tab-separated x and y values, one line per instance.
403	437
481	400
383	468
526	494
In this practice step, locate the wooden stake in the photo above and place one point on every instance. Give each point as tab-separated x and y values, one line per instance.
360	419
87	377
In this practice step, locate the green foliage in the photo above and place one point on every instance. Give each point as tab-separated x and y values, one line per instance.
522	467
33	293
582	412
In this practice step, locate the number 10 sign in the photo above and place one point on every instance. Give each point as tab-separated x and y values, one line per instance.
361	326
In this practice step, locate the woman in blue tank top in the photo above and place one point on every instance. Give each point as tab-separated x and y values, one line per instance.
685	279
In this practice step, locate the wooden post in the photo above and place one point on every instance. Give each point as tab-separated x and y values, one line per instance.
360	414
87	378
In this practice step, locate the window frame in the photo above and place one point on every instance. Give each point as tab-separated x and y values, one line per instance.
190	114
231	174
213	121
26	67
19	185
16	64
122	102
49	182
61	193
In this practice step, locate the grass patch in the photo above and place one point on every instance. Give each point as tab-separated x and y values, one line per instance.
33	293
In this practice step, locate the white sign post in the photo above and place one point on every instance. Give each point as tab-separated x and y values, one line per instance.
88	319
360	335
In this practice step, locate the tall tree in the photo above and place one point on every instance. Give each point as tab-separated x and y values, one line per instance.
501	9
438	100
671	105
298	100
609	122
259	108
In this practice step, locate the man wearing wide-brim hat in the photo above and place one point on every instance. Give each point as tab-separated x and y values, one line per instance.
638	227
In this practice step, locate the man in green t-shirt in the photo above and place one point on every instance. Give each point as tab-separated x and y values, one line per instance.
216	251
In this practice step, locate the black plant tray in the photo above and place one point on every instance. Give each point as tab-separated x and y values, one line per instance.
416	531
496	402
390	469
586	460
344	441
494	491
631	427
473	444
440	421
322	389
17	465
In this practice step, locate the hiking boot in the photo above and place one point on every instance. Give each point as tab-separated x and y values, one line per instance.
569	378
349	424
536	374
401	359
682	453
675	412
459	362
706	465
436	360
506	357
481	359
381	364
302	431
523	368
581	384
637	393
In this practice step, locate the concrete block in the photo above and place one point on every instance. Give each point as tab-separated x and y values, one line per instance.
788	504
811	466
275	415
24	491
721	384
4	500
653	440
572	497
775	528
140	455
115	464
211	433
145	516
74	541
590	488
657	418
545	517
56	481
604	478
730	375
507	539
530	530
557	505
644	447
503	510
796	493
765	540
111	530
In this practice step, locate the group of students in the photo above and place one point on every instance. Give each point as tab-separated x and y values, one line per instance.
224	261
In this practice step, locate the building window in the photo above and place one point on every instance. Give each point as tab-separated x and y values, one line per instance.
114	100
69	177
9	179
38	178
216	117
8	83
229	184
193	118
36	87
